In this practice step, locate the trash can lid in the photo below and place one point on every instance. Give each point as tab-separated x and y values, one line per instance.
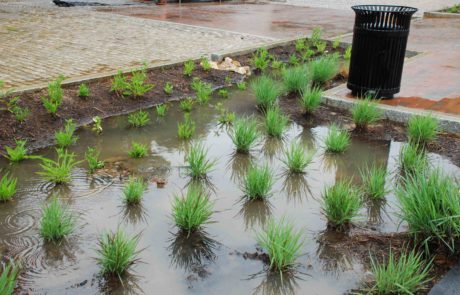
396	9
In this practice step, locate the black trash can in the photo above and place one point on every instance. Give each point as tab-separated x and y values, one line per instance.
379	45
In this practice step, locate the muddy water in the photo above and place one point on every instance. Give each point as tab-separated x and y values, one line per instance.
209	262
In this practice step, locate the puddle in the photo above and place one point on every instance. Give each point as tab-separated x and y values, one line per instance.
209	262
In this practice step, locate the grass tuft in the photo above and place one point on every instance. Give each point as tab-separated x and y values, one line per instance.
374	181
186	129
56	222
258	182
199	165
266	91
365	112
133	190
311	98
168	88
92	157
8	277
337	140
282	242
260	59
297	158
244	134
422	129
7	188
241	85
138	119
192	211
202	90
324	69
341	204
161	110
295	79
83	91
138	150
404	275
412	158
18	153
189	66
58	171
67	136
186	105
275	121
53	101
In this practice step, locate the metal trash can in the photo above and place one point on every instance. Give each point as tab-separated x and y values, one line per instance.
379	45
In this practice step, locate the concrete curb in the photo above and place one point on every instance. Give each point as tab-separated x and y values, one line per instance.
436	14
449	284
447	123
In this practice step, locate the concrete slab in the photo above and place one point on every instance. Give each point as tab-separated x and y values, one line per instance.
449	285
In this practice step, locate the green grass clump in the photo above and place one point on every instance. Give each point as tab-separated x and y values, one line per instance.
422	129
189	66
92	157
374	181
337	140
138	119
136	86
186	105
297	158
404	275
324	69
192	211
275	121
311	98
56	222
7	188
138	150
133	190
321	47
66	136
161	110
199	165
258	182
241	85
293	60
202	90
282	242
430	205
97	124
117	252
347	53
53	101
168	88
18	153
300	45
260	59
223	93
205	64
295	79
58	171
412	158
83	91
341	204
365	112
8	278
336	42
244	134
225	116
186	129
266	91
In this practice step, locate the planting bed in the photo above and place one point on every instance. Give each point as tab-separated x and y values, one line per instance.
222	257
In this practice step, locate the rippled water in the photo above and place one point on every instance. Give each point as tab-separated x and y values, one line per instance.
209	262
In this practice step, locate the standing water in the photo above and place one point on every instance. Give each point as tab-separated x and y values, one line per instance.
217	260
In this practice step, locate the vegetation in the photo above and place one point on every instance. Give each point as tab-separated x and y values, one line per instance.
189	66
119	83
205	64
266	91
374	181
161	110
275	121
18	153
138	119
260	59
57	221
66	137
412	158
97	124
225	116
244	134
404	275
7	188
83	91
228	80
133	190
337	140
58	171
12	105
202	89
136	86
117	252
223	93
282	242
241	85
138	150
192	211
307	54
300	45
311	98
199	164
365	112
316	36
258	182
20	113
296	158
430	206
186	129
341	203
324	69
336	42
55	94
186	104
422	129
92	157
168	88
347	53
321	47
295	79
8	278
293	60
